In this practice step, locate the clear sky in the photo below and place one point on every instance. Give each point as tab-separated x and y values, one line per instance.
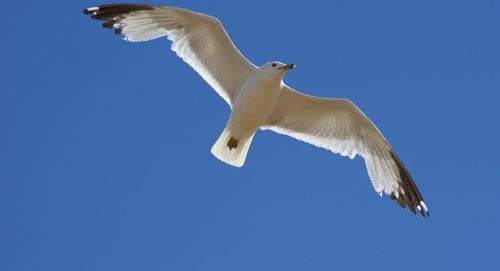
105	157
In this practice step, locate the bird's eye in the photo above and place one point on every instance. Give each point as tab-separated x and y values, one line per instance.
274	65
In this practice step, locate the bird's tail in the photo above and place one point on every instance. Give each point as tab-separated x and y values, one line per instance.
230	149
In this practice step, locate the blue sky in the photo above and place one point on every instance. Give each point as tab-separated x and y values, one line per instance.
105	157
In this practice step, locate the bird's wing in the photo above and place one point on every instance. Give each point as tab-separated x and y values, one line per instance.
339	126
200	40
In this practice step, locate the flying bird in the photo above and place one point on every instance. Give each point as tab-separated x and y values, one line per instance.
259	98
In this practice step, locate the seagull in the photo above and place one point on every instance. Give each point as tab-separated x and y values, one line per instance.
259	99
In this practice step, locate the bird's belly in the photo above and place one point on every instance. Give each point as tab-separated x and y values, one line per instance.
252	109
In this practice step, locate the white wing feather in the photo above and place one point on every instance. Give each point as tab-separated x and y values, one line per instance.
200	40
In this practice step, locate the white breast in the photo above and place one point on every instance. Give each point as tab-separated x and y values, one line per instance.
254	104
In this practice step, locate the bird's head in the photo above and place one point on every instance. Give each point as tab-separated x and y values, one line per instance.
275	68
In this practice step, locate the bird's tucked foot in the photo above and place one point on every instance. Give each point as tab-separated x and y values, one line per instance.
232	143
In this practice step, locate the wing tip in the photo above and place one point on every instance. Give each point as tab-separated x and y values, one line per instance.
409	196
91	10
420	208
108	12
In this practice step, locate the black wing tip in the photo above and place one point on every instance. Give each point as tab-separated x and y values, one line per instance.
113	9
410	197
90	11
422	207
114	14
403	201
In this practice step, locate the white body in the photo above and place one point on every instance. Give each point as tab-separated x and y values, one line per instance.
253	105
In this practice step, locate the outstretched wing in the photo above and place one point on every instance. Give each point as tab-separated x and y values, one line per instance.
200	40
339	126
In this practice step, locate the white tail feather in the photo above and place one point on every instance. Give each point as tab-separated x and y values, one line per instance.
236	156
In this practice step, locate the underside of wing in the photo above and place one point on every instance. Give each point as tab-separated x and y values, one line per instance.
339	126
200	40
